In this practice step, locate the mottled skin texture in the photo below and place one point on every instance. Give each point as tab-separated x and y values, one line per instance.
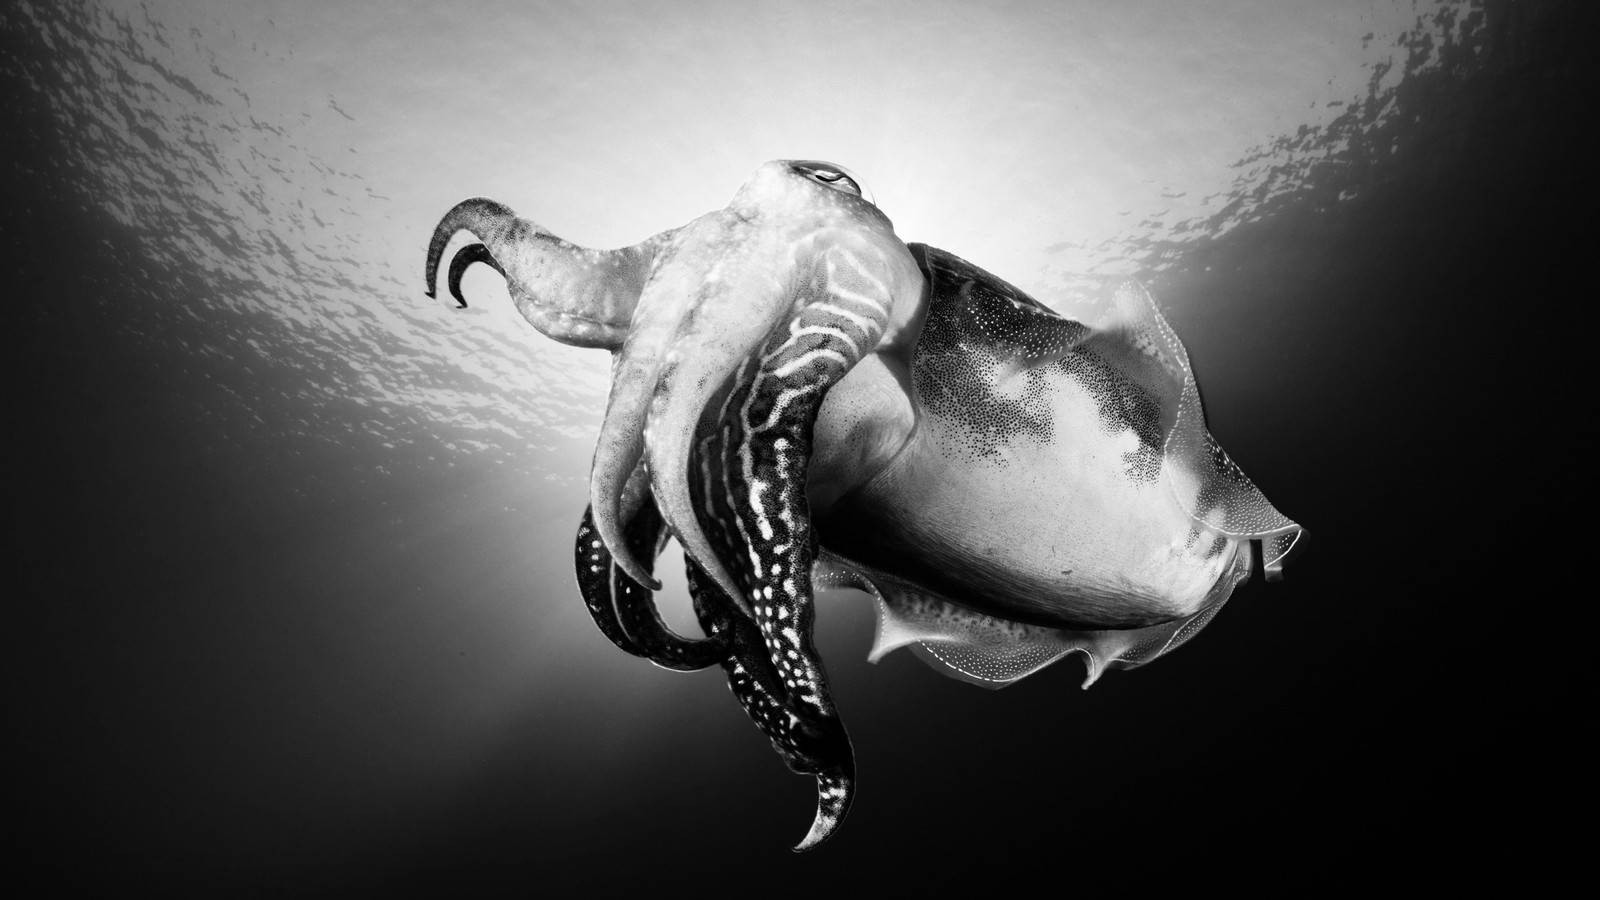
801	399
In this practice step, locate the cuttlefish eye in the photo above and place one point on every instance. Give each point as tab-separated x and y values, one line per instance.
832	176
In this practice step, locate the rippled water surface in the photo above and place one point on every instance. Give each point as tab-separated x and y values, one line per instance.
296	537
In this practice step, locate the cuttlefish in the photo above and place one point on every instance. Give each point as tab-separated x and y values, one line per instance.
802	400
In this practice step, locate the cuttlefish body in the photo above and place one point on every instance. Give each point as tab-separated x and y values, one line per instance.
802	400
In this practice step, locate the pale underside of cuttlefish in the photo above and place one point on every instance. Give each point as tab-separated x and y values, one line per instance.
802	400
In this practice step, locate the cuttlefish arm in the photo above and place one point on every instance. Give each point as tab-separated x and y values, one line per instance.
572	294
624	610
637	612
749	478
823	752
826	284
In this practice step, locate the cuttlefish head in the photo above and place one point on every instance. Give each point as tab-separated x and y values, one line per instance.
728	333
684	308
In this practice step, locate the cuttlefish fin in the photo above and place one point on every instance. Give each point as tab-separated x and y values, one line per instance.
831	571
1204	481
992	652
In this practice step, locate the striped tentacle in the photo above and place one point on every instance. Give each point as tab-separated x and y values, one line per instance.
768	451
821	752
749	475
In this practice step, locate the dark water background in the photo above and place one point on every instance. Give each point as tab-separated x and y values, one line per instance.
246	654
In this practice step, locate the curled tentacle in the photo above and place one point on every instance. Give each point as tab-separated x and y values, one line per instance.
464	258
624	610
573	294
636	609
811	746
593	565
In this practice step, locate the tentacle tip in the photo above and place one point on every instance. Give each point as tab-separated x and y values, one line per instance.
645	580
833	802
461	302
821	829
638	573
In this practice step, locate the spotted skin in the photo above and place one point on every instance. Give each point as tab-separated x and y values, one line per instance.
768	425
628	617
592	563
1053	434
624	610
821	749
983	330
636	608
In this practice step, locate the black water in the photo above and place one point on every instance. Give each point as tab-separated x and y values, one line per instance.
236	655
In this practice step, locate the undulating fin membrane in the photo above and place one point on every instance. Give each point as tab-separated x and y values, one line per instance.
993	652
1224	500
831	571
1276	550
